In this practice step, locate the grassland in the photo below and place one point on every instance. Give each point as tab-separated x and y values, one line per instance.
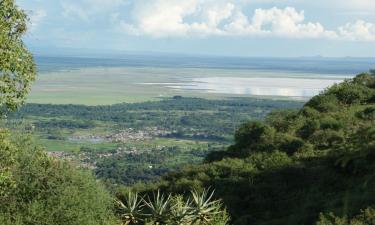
105	86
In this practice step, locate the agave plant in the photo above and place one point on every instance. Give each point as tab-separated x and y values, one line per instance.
130	209
204	208
181	211
159	208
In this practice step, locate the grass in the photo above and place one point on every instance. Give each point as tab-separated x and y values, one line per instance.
71	146
105	86
74	147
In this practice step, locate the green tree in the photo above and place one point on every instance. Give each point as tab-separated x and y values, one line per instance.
253	136
37	189
17	67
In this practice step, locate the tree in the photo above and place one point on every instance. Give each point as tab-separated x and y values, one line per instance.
324	103
365	79
17	67
253	133
37	189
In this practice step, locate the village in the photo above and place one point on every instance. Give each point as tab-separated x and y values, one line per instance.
125	135
87	159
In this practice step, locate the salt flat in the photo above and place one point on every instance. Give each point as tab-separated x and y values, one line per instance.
138	79
267	86
103	86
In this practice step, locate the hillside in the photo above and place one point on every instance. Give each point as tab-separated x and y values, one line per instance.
309	166
298	163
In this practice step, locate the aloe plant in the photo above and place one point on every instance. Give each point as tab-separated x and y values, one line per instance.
164	209
159	208
131	209
181	211
204	208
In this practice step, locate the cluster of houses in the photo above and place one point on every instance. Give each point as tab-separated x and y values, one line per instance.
89	159
131	134
124	136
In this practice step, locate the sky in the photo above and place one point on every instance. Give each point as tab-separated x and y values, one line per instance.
257	28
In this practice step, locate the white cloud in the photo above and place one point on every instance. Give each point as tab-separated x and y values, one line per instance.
197	18
163	18
358	31
286	22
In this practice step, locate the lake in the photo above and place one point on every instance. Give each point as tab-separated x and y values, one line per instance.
96	81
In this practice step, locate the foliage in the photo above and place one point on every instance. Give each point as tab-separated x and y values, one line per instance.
194	127
130	208
175	210
366	217
297	164
37	189
17	68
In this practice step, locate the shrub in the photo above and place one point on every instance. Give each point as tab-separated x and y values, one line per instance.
281	119
252	137
366	217
350	93
324	103
199	209
309	127
288	143
330	123
36	189
323	139
367	114
365	79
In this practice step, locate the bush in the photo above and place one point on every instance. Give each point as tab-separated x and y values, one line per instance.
324	103
366	217
309	127
281	119
324	139
199	209
36	189
367	114
365	79
330	123
255	136
350	93
288	143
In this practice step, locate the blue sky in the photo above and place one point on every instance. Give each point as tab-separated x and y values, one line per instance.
216	27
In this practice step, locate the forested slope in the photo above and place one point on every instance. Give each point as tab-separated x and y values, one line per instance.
297	164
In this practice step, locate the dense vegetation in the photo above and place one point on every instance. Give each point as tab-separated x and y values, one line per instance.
199	209
34	188
186	117
17	67
309	166
37	189
297	164
191	128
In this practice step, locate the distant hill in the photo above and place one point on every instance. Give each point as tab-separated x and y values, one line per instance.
299	166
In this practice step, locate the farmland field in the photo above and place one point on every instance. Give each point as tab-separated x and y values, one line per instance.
135	119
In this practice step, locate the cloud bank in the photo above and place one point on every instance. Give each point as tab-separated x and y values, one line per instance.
207	18
201	18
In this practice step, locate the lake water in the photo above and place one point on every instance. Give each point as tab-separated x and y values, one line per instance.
137	78
283	87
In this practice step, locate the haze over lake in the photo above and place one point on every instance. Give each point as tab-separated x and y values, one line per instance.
134	78
257	86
